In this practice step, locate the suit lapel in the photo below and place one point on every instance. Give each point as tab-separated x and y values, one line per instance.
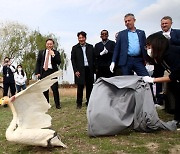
87	51
138	33
43	56
172	33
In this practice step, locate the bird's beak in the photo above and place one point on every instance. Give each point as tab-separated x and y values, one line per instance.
1	101
4	100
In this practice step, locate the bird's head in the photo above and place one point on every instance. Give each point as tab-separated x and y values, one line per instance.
4	100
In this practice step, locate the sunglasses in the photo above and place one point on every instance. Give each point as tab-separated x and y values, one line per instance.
104	34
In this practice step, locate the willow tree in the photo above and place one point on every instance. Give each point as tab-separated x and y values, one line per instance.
21	44
13	39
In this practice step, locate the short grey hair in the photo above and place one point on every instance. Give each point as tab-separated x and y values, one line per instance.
166	18
129	14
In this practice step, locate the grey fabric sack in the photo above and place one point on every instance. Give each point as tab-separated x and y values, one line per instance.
119	102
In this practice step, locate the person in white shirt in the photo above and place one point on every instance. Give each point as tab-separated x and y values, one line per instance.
20	78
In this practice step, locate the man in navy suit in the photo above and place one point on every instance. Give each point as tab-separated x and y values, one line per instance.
103	53
172	34
129	49
174	38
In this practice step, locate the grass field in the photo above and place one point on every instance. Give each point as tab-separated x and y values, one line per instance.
71	124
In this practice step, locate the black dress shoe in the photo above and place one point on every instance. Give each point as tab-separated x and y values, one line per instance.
5	105
58	107
178	125
78	107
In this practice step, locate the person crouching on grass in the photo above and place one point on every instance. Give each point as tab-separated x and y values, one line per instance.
159	49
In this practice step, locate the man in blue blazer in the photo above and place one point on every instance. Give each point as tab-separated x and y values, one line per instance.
130	49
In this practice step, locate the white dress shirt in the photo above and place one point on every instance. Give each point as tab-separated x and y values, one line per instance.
84	54
167	34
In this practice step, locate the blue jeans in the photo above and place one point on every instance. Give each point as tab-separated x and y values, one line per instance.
19	87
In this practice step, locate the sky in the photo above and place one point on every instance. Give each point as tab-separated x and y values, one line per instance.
65	18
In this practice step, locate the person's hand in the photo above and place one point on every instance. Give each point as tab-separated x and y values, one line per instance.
6	63
112	66
38	76
77	74
105	51
13	98
51	52
148	79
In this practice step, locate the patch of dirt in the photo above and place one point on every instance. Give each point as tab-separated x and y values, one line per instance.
152	147
175	149
119	142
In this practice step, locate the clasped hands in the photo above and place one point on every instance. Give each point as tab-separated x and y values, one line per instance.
105	51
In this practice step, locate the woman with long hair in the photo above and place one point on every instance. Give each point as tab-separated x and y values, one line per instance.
20	78
168	56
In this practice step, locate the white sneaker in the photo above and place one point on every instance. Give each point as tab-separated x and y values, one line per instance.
159	107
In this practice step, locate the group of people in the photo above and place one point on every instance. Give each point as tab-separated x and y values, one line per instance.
129	55
14	79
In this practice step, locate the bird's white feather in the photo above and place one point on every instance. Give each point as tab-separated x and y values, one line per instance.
31	105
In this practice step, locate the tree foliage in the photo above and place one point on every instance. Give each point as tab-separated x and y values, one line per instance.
21	44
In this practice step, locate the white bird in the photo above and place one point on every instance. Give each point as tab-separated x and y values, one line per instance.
30	123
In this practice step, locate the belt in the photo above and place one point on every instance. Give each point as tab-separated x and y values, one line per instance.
139	56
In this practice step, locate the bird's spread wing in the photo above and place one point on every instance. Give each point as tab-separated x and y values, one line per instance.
31	105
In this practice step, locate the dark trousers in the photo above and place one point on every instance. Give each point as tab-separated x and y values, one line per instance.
80	87
104	71
54	88
6	87
159	96
136	64
175	89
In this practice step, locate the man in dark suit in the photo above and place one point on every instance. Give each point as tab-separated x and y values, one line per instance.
47	63
129	49
172	34
174	39
103	53
82	58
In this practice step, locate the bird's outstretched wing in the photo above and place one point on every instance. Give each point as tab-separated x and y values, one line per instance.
31	105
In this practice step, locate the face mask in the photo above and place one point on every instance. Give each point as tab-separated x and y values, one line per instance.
19	69
149	52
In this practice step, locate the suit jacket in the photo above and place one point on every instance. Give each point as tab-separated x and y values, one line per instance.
104	60
55	61
77	60
121	48
175	37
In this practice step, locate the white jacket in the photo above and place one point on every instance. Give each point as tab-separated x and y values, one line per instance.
19	79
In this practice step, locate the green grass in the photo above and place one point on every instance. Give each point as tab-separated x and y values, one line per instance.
71	124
